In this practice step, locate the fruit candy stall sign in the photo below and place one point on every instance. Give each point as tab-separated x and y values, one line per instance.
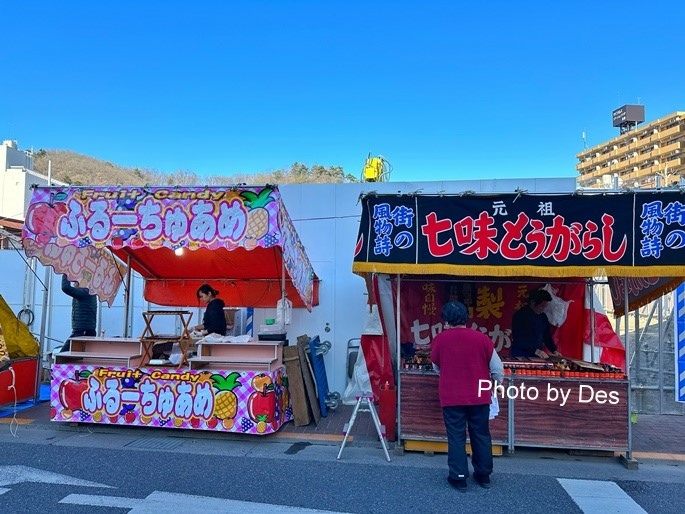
514	235
153	217
93	268
247	402
175	218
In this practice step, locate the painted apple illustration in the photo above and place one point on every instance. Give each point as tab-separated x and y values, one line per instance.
212	422
129	417
71	394
261	405
41	219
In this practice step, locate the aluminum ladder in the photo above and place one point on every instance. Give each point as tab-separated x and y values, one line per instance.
365	404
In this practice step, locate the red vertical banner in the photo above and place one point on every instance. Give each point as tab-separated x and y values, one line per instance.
378	362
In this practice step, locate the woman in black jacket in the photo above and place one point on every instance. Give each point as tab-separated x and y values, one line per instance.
214	320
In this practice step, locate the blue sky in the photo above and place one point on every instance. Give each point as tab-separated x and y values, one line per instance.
442	89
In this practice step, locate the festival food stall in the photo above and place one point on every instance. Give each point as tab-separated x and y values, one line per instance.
490	251
238	239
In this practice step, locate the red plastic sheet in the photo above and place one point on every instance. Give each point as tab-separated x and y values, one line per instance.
387	410
23	379
378	362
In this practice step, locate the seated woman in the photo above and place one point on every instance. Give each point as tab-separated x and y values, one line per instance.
214	320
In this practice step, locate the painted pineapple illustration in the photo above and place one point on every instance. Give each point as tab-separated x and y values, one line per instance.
225	400
257	216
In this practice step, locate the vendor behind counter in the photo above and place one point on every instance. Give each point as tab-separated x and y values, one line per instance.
531	331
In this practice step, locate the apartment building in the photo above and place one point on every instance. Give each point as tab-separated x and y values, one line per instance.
646	156
17	179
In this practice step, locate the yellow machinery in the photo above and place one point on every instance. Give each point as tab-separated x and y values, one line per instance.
376	169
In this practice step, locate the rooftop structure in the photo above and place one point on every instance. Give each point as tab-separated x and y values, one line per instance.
642	156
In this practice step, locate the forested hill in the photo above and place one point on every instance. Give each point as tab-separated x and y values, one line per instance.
78	169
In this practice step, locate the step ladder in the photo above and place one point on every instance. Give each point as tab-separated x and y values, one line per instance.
365	404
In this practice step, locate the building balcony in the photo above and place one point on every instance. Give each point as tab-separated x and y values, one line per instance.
677	145
670	132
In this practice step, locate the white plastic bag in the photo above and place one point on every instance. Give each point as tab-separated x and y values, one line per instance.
372	325
494	407
284	311
556	309
175	356
359	384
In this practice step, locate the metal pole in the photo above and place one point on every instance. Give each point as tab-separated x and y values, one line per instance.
43	342
42	350
283	295
637	341
660	356
626	300
399	352
591	290
127	299
511	433
636	332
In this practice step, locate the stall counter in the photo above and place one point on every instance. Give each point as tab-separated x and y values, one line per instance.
237	387
251	402
592	414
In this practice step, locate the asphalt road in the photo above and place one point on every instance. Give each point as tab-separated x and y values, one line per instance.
56	470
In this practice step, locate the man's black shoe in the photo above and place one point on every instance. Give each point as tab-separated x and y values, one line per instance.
482	480
459	485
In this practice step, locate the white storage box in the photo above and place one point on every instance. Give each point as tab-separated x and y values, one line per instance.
274	332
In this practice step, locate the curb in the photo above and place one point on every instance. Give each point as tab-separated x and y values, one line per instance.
677	457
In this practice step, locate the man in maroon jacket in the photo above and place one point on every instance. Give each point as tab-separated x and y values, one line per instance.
465	357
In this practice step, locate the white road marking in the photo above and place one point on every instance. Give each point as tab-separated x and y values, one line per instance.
159	501
10	475
600	497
